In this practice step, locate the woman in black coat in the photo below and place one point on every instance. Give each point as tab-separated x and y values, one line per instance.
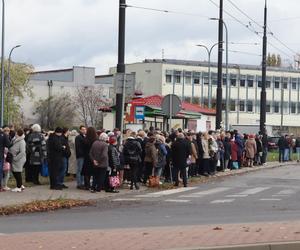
88	169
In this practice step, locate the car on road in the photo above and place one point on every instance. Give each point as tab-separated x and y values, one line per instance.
273	142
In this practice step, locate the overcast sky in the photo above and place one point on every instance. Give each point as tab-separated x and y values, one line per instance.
58	34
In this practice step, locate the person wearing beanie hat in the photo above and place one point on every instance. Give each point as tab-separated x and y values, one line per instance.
58	130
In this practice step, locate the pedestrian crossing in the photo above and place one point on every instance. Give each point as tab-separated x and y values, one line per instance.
216	195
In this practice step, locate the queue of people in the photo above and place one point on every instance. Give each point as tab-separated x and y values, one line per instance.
106	160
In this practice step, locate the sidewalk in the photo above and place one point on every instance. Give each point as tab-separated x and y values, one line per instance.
180	237
44	193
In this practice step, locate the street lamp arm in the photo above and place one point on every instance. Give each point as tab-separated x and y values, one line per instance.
212	47
203	46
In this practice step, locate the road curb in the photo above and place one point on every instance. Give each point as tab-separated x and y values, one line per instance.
293	245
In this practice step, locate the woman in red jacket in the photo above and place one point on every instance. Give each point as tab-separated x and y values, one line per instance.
234	154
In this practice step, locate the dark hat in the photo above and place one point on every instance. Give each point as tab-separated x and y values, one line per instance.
58	130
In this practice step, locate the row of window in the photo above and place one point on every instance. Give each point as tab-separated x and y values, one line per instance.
244	81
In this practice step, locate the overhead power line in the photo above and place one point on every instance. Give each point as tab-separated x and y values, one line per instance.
258	24
244	52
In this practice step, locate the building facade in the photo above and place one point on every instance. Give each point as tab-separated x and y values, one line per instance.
190	81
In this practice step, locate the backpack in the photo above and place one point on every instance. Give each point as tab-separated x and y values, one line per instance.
131	153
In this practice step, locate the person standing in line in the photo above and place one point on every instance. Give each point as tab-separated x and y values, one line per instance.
259	150
55	157
280	145
250	147
79	149
28	171
265	145
7	173
286	148
297	145
132	152
113	160
141	139
151	157
200	153
99	157
213	151
193	170
18	151
66	155
37	150
181	150
227	152
4	143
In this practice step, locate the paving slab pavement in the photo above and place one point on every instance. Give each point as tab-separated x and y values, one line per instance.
44	193
179	237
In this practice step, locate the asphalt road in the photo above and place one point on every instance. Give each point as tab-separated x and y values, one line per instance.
265	195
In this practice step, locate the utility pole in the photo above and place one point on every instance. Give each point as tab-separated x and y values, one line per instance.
263	94
121	62
220	65
2	64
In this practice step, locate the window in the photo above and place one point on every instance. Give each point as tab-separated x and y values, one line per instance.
293	108
169	74
250	83
259	84
243	83
233	82
285	83
249	106
294	83
168	78
196	81
232	105
214	79
177	76
188	77
277	84
268	84
196	76
177	79
205	78
196	100
242	105
298	110
276	107
224	79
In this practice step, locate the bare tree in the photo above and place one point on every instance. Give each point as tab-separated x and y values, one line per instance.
88	100
55	111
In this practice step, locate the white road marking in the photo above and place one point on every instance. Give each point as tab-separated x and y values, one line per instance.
222	201
206	192
166	192
236	195
253	190
270	199
285	192
178	201
126	199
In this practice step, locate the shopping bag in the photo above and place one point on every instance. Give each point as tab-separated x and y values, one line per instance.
114	181
235	165
44	169
153	181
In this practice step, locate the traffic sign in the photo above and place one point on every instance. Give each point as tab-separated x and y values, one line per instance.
139	112
171	105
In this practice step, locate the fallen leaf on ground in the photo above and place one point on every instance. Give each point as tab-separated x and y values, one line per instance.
218	228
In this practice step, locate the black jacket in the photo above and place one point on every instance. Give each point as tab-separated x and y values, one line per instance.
67	150
79	146
181	149
280	143
4	143
55	150
113	157
227	148
132	151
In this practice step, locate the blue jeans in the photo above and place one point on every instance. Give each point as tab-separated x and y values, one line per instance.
286	154
1	173
79	177
62	171
298	153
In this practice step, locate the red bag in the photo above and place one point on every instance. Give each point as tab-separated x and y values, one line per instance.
153	181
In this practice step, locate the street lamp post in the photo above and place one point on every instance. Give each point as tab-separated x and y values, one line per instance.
209	73
2	64
227	77
8	80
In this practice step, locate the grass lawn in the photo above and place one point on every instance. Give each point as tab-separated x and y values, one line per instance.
273	156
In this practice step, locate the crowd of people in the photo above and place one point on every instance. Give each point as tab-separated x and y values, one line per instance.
104	160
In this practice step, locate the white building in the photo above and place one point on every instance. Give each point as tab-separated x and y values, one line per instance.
55	82
189	80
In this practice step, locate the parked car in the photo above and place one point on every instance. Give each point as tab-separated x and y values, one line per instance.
273	142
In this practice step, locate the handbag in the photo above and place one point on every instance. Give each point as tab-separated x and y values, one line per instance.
44	169
6	166
153	181
235	165
114	181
